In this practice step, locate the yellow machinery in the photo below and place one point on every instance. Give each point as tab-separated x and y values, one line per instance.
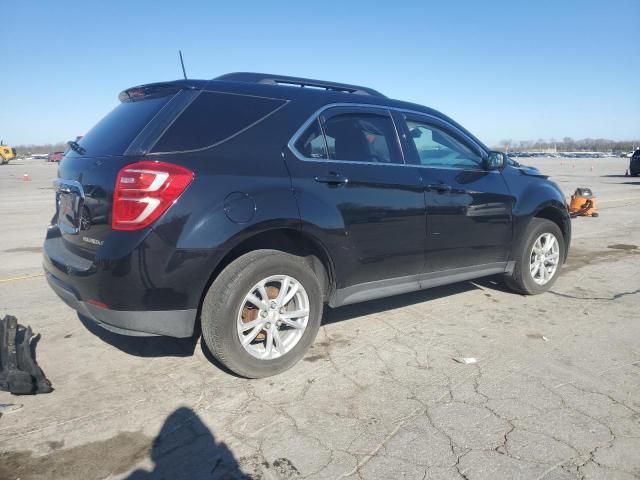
6	153
583	203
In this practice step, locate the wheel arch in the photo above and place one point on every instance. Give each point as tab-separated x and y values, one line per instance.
558	214
287	240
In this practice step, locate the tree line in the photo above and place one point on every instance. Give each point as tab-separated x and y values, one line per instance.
24	150
568	144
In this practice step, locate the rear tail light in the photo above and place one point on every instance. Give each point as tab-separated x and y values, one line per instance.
144	191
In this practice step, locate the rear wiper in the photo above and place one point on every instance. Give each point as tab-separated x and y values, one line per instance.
75	146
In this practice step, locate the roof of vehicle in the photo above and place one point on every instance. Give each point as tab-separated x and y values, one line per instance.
285	80
316	92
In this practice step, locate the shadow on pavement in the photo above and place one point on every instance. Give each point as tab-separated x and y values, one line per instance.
185	347
333	315
186	448
143	346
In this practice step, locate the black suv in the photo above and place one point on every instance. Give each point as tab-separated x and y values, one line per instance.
634	164
243	204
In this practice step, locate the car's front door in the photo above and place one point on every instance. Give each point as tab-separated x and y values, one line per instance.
468	206
357	196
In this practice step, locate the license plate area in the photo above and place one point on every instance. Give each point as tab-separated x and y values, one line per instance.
69	203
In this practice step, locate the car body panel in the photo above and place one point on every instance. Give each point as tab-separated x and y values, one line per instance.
634	164
383	231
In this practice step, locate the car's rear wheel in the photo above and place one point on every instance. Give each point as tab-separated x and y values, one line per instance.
538	258
262	313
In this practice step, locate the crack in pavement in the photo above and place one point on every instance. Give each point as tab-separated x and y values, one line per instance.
606	299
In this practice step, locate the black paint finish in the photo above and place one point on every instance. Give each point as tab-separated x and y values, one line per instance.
377	224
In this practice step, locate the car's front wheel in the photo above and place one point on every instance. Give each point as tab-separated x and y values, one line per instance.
538	258
262	313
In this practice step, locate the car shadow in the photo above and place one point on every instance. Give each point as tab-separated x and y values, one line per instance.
347	312
159	346
143	346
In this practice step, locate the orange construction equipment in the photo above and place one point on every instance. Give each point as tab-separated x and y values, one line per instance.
583	203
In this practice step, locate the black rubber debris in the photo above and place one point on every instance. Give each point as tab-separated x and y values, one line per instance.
19	371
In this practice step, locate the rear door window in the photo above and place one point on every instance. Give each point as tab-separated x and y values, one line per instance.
362	137
212	118
311	143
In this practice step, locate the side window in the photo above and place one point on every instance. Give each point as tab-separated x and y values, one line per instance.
439	149
311	142
212	118
362	137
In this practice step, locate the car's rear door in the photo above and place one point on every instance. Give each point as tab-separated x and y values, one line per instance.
356	194
468	206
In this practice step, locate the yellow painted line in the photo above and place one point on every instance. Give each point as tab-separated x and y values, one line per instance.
13	279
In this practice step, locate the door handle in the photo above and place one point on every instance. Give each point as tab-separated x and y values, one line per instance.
332	179
439	187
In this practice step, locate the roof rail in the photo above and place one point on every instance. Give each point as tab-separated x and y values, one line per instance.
271	79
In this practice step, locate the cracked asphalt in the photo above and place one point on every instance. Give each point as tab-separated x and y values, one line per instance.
555	393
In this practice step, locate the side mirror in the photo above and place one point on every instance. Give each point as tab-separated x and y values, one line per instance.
495	161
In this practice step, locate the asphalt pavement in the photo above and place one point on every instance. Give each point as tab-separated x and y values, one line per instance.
555	392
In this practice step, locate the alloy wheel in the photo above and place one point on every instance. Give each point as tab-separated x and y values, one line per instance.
273	317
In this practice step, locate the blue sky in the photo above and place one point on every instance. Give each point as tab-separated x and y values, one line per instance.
505	69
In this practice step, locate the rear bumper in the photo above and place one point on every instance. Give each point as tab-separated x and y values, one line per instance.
172	323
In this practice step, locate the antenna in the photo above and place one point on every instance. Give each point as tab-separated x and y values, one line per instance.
182	63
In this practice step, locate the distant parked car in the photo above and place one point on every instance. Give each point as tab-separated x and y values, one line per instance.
55	156
634	164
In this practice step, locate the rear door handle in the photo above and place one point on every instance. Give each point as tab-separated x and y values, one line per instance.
332	179
439	187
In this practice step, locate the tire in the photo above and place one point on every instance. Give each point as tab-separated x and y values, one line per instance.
225	310
523	279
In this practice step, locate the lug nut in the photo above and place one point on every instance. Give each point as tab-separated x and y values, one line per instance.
282	310
267	325
263	314
273	305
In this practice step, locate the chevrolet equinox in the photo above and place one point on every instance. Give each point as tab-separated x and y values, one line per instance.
243	204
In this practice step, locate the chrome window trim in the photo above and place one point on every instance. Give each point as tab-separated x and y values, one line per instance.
387	109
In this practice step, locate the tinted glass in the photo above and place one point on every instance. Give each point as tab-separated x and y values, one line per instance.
212	118
311	142
438	148
115	132
360	137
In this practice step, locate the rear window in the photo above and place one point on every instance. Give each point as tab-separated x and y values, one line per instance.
115	132
212	118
